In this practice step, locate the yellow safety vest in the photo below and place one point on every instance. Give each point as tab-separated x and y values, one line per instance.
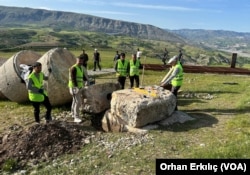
122	68
79	77
38	83
177	81
134	68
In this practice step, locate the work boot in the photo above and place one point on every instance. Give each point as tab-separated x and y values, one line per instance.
49	120
77	120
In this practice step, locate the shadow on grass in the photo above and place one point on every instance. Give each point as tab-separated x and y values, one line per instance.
202	120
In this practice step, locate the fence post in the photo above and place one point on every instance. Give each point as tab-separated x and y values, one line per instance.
233	62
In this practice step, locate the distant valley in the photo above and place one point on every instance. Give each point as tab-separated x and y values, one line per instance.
218	39
26	27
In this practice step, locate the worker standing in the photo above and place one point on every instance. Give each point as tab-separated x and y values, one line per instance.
122	71
37	94
97	60
134	66
180	57
85	57
77	76
138	54
175	77
165	56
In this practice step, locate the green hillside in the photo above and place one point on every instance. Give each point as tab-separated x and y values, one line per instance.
16	39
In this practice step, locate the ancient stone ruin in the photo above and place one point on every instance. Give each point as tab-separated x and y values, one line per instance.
120	109
136	108
10	80
58	59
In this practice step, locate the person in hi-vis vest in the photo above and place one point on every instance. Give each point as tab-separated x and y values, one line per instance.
122	71
37	94
134	66
77	76
174	77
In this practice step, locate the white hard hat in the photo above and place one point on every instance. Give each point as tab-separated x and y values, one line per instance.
95	48
174	58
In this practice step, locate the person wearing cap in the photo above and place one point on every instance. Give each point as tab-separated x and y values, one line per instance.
77	76
85	58
36	92
174	77
122	70
134	66
97	60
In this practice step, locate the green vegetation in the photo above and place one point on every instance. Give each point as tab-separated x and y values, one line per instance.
219	103
221	129
10	165
41	40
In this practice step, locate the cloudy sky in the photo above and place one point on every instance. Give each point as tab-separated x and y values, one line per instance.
231	15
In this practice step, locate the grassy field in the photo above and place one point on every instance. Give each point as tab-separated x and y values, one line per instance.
219	104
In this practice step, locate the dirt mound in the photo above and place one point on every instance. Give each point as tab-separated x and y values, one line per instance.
42	142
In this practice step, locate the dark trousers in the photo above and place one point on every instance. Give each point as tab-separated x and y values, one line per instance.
97	63
48	107
132	79
164	61
122	80
174	90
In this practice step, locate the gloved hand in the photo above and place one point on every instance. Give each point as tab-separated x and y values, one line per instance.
87	83
40	91
75	90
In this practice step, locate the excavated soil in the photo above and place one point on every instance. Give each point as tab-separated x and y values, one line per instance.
44	142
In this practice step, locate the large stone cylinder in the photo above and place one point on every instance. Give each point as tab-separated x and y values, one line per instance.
2	97
11	85
59	60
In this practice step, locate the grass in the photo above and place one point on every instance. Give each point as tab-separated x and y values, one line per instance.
221	129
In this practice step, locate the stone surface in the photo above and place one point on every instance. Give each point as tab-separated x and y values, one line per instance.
97	97
10	80
59	60
176	117
139	107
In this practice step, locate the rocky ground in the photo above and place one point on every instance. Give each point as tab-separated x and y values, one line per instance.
37	143
43	142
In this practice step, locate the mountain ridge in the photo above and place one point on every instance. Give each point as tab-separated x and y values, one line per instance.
59	20
69	20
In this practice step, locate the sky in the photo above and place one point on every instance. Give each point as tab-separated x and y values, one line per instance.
229	15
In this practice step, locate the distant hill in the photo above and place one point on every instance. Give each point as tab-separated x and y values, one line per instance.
22	28
217	39
16	16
